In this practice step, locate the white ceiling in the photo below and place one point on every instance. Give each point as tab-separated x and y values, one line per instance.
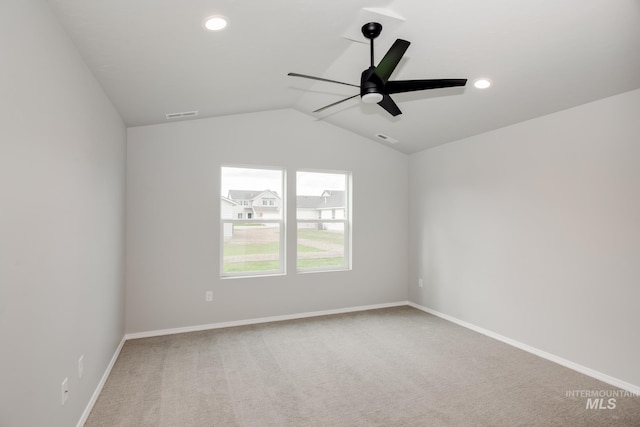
152	57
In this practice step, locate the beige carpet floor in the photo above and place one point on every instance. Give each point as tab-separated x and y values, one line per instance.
389	367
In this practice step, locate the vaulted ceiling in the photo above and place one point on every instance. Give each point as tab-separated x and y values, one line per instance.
153	58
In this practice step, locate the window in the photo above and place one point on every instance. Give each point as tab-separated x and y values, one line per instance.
252	221
254	245
323	221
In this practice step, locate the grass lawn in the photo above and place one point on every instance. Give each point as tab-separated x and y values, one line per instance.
231	249
238	267
305	248
323	236
272	248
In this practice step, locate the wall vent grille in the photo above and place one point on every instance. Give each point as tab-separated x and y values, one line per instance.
386	138
182	114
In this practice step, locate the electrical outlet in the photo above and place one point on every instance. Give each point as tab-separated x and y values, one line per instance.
81	366
208	296
420	283
65	390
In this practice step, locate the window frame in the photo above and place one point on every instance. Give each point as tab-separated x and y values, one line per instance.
282	252
346	221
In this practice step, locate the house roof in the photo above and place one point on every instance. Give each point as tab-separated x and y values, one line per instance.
328	200
308	202
227	200
249	194
543	57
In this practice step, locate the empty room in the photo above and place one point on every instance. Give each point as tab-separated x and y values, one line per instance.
319	213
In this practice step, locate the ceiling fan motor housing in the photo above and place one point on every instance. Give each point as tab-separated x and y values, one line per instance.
370	84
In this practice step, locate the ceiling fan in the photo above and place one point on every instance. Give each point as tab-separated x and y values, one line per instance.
375	86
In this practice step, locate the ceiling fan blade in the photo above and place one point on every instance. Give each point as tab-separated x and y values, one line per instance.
336	103
388	104
391	59
399	86
320	78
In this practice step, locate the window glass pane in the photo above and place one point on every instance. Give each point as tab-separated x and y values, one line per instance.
251	193
320	195
251	247
320	245
322	214
252	221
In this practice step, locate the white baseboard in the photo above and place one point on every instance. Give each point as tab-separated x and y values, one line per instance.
196	328
103	380
553	358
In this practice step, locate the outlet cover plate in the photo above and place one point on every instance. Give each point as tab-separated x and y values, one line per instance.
81	366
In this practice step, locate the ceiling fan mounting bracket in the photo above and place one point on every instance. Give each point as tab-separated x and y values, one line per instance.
371	30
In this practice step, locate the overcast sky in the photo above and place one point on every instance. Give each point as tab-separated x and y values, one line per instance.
308	183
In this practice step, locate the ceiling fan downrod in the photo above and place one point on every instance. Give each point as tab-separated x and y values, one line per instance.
371	30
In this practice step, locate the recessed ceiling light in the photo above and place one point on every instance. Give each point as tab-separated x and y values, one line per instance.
482	83
215	23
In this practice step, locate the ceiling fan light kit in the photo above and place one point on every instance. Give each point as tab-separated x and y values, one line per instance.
372	98
375	86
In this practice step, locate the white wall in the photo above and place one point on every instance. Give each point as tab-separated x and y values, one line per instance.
62	148
533	232
173	234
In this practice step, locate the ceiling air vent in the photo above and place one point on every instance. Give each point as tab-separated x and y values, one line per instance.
386	138
181	115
